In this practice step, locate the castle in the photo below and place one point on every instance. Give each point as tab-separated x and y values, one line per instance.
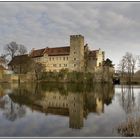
76	57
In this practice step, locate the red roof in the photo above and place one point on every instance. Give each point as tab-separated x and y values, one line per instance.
58	51
37	53
51	51
19	59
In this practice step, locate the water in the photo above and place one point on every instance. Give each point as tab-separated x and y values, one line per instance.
65	110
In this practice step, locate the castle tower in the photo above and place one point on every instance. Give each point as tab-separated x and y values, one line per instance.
76	60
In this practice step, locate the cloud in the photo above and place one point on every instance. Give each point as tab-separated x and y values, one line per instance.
109	26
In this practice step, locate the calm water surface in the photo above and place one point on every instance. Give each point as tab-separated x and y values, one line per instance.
65	110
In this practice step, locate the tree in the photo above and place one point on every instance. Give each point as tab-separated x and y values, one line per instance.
108	62
22	49
121	67
39	68
11	49
127	65
138	61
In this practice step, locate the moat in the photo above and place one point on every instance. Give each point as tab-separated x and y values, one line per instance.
66	110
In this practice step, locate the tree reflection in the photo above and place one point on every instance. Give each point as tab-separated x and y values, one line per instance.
130	103
11	110
128	99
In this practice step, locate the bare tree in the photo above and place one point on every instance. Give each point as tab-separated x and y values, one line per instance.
128	65
138	61
134	60
11	49
22	49
121	67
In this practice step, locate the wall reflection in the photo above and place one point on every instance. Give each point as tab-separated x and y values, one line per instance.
73	100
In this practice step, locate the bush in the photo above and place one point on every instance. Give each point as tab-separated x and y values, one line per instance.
65	76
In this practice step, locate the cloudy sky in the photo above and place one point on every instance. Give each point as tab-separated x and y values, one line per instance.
112	26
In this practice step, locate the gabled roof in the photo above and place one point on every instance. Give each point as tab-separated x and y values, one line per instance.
58	51
19	59
51	51
37	53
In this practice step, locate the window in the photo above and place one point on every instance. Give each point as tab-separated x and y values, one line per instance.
59	65
74	52
54	65
74	65
74	58
50	58
65	65
67	58
63	58
53	58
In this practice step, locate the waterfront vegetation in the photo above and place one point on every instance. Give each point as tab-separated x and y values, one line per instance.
65	76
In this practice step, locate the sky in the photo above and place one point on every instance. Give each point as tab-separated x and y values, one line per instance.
112	26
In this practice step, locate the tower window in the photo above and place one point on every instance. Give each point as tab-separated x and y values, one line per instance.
74	52
74	58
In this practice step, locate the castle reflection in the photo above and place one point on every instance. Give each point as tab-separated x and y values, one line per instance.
73	100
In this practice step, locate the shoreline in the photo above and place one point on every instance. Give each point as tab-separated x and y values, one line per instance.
69	82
